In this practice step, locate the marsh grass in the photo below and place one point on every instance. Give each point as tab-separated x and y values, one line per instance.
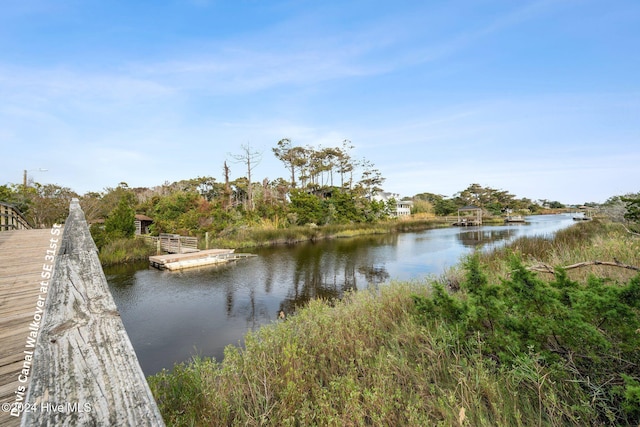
596	240
365	360
124	250
266	234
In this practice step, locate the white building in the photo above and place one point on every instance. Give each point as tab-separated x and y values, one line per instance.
403	207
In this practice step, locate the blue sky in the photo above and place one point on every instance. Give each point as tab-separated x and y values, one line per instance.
540	98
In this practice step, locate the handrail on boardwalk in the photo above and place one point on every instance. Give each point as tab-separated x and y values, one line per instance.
85	371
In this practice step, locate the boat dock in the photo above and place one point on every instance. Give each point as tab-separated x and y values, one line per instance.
514	219
469	216
203	258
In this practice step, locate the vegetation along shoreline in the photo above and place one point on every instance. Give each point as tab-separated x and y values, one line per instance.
491	342
509	337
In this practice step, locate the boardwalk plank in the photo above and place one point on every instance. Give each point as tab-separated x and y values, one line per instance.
83	354
22	254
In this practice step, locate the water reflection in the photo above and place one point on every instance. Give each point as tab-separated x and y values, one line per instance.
478	237
171	315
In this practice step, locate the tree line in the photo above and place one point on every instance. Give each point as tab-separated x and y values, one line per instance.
323	185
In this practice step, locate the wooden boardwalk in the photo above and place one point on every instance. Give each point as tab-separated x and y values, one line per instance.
22	259
65	357
85	370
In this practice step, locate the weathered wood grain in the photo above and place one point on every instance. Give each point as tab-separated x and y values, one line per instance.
85	371
21	259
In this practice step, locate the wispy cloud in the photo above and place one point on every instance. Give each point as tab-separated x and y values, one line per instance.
68	83
404	82
288	54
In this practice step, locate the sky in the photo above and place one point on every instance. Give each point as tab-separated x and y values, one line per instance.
540	98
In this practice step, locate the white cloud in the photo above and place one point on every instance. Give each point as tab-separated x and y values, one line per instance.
178	113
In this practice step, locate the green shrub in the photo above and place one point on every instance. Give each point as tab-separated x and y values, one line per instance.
120	222
581	332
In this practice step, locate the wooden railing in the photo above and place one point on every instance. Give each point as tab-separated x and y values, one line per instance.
11	218
172	243
84	369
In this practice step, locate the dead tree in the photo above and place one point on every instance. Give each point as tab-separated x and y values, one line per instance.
251	159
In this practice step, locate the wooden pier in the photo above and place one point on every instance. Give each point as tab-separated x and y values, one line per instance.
195	259
22	263
514	219
469	216
83	369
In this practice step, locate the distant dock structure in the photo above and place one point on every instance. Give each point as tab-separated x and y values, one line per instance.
469	216
510	219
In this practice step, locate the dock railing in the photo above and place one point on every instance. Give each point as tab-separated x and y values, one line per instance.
12	219
171	243
85	370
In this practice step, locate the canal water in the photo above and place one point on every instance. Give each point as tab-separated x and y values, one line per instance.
171	316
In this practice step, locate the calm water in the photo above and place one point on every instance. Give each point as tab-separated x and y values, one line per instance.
171	316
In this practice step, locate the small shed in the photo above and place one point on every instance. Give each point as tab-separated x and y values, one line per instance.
142	224
469	215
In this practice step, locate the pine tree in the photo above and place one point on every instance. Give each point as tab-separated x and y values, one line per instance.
120	223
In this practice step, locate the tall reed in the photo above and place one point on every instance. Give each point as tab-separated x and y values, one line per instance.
124	251
266	234
365	360
360	361
596	240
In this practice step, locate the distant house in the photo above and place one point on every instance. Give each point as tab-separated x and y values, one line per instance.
142	224
403	207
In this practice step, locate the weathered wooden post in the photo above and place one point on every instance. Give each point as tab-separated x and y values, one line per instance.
85	371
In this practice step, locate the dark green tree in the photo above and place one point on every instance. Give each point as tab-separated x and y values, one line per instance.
174	212
120	222
343	208
556	205
445	207
306	208
633	208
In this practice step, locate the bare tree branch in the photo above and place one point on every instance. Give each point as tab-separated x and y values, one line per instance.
546	268
251	159
629	231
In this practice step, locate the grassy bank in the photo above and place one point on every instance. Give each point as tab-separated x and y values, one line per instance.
413	354
122	251
128	250
267	235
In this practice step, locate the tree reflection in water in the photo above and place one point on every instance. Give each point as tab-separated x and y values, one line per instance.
169	315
